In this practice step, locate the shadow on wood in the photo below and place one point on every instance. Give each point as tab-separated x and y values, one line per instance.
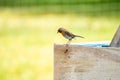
86	63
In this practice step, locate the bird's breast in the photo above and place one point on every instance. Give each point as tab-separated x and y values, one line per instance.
66	36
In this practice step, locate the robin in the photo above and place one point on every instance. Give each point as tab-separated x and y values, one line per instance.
68	35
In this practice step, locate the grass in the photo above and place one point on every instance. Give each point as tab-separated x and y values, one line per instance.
26	41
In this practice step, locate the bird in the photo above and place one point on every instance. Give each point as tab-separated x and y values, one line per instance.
68	35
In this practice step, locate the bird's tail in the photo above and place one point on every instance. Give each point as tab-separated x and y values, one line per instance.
79	36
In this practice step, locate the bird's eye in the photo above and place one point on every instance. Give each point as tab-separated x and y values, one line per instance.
59	31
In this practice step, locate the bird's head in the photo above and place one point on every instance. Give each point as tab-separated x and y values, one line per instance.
60	30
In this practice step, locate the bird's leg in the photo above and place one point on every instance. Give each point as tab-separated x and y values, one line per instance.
67	45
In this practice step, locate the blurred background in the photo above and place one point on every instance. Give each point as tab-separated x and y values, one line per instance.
28	32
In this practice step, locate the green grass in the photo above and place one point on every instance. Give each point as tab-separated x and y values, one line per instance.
26	41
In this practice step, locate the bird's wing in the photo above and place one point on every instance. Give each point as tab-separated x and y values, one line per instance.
70	34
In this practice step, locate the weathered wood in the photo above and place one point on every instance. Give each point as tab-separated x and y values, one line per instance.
116	39
86	63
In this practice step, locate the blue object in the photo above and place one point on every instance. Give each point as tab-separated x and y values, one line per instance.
93	45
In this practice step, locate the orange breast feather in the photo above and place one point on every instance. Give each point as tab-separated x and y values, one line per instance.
62	33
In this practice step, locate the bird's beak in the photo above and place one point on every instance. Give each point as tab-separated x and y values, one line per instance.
57	32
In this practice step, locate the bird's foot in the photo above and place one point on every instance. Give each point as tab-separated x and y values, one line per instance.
66	50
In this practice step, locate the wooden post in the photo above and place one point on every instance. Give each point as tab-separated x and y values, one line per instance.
116	39
86	63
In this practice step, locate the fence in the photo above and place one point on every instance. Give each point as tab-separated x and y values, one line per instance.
86	63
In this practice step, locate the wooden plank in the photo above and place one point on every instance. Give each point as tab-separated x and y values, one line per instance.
86	63
116	39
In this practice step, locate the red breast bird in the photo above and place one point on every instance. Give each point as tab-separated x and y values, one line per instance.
68	35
